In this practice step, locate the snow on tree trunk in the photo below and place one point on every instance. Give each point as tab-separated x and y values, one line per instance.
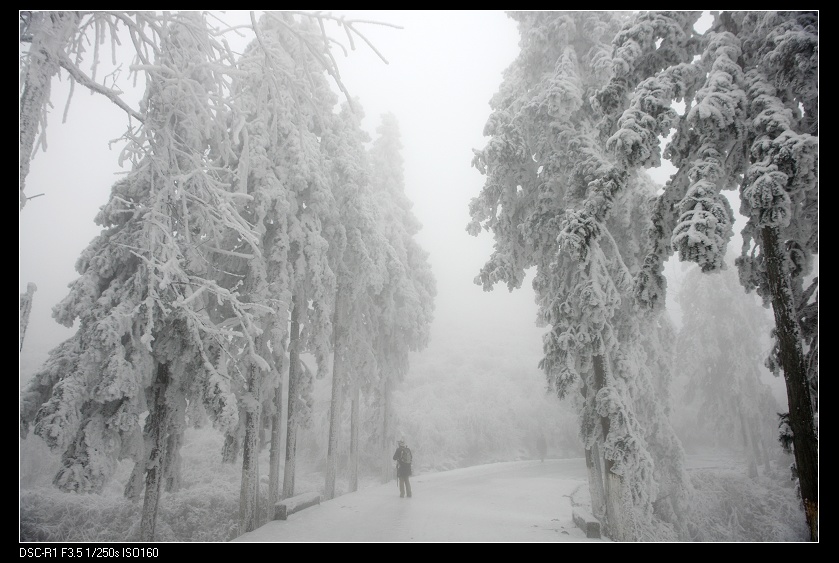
275	454
618	512
249	493
174	464
25	310
386	454
354	424
230	448
336	399
594	471
290	451
264	437
136	483
750	446
293	390
157	440
620	523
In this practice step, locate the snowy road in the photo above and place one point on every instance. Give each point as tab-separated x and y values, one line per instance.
523	501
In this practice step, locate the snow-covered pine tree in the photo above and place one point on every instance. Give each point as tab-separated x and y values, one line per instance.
750	89
357	252
549	195
235	333
285	105
643	361
146	342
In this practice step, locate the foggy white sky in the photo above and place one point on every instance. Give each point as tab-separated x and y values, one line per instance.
443	68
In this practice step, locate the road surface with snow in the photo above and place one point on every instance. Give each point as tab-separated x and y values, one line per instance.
521	501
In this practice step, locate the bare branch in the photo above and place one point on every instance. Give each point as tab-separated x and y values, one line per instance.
369	44
85	81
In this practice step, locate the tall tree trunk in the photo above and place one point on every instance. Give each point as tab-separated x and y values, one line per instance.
136	481
761	443
293	384
264	436
354	439
230	448
25	309
594	469
804	439
752	453
335	404
174	463
157	440
618	518
276	447
288	472
386	454
249	492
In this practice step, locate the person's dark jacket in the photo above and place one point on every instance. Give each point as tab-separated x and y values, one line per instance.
402	469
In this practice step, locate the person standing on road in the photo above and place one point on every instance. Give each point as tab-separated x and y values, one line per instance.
403	459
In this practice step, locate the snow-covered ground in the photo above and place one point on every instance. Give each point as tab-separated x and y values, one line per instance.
521	501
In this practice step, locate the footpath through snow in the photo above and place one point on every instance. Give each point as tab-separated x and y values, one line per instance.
521	501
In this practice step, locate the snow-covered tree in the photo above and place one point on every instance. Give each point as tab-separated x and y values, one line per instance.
285	104
357	249
147	343
555	201
244	252
750	89
404	308
282	106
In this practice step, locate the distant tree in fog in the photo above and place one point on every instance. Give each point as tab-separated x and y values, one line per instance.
719	351
507	405
404	308
358	251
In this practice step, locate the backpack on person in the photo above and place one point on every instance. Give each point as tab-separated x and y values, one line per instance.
405	456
